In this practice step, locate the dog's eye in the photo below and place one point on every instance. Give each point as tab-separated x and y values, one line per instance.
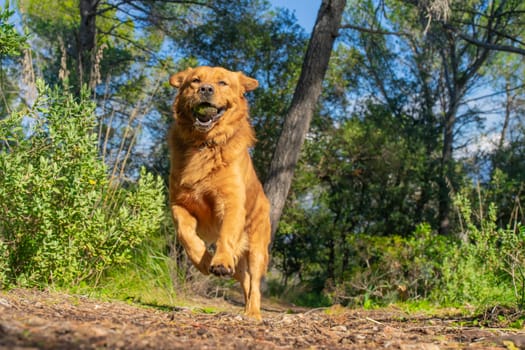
196	80
223	83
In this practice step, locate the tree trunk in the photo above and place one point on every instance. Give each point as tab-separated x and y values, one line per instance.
456	82
508	111
86	38
305	98
446	172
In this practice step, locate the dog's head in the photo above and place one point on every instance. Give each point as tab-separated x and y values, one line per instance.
206	94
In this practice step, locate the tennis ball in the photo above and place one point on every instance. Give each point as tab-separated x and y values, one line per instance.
205	110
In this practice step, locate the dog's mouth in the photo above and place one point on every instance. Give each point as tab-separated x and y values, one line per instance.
206	115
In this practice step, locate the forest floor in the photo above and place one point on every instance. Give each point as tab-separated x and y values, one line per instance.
31	319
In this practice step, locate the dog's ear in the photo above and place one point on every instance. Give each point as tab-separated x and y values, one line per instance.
249	84
177	79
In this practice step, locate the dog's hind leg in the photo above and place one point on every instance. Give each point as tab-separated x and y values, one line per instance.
257	261
187	236
257	265
249	276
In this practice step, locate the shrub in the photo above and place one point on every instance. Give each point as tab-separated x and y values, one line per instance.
488	267
62	221
390	268
4	266
11	43
483	266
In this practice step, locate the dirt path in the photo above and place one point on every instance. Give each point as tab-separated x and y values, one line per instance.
40	320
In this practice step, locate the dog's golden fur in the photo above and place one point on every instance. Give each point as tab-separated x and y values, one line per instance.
215	196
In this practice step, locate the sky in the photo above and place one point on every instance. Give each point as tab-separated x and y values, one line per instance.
305	10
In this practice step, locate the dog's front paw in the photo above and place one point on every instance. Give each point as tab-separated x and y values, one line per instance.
222	266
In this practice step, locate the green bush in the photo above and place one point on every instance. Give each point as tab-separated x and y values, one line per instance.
4	265
483	265
11	43
488	267
62	221
387	269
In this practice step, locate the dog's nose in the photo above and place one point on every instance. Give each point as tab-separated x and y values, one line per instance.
206	90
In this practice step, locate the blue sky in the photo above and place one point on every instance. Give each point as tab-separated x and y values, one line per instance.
305	10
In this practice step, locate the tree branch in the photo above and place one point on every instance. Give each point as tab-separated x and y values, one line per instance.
467	38
373	31
486	45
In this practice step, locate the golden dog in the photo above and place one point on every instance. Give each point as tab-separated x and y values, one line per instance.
215	196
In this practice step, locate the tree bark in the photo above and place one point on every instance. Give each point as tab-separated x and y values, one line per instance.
303	104
508	111
86	37
457	82
446	173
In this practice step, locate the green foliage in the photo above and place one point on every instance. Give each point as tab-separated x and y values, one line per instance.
11	42
146	279
485	267
488	267
507	181
393	268
4	264
61	219
362	178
